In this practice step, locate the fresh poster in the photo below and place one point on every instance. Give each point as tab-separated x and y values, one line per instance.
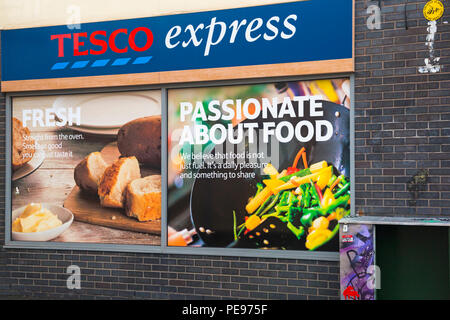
263	166
86	168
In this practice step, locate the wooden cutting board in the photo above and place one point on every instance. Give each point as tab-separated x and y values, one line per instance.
86	207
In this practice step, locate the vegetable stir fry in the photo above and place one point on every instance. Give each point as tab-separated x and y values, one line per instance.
310	201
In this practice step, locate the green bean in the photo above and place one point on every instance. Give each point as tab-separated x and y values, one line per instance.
234	225
270	206
282	208
323	211
260	188
331	181
336	203
270	214
300	173
240	230
314	191
298	232
342	190
263	205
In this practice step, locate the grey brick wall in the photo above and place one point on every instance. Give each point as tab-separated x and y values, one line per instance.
42	274
402	116
402	121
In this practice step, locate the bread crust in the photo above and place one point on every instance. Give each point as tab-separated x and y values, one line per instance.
144	206
142	138
111	189
84	176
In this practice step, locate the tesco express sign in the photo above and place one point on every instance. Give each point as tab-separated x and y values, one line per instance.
201	35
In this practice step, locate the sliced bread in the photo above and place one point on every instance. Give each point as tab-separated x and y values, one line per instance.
115	179
143	198
88	172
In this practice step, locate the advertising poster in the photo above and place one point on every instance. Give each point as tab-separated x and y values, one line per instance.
86	168
263	166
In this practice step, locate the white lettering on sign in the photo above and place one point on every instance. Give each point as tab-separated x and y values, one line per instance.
251	109
51	117
218	31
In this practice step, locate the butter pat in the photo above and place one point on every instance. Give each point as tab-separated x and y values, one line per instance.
35	219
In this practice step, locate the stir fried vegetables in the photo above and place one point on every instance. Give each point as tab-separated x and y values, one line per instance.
310	201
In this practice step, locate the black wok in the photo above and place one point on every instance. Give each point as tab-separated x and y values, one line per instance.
213	201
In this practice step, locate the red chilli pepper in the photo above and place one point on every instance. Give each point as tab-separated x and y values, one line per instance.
246	230
291	170
319	192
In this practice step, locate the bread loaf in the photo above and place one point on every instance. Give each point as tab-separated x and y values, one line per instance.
143	198
88	172
142	138
23	146
115	179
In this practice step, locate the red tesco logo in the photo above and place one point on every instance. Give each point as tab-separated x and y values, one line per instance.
101	40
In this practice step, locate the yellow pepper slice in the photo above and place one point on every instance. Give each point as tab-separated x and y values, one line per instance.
320	223
297	181
328	197
252	222
324	177
318	166
327	87
317	237
272	184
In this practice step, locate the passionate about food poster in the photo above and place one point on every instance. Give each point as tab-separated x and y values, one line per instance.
264	166
86	168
